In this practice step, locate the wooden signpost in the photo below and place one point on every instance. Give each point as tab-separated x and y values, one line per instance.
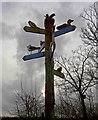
49	42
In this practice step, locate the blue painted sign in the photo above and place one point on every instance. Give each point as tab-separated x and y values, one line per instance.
64	30
33	56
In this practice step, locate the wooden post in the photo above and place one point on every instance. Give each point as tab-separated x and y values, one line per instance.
49	63
49	68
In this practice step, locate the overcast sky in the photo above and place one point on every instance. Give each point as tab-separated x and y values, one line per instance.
14	41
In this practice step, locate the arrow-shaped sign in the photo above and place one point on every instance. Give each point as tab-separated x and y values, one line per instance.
59	74
64	30
34	30
33	56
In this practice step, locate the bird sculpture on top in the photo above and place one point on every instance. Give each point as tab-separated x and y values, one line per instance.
51	16
65	24
59	69
32	24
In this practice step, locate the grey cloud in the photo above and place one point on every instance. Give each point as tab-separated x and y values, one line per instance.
7	31
7	96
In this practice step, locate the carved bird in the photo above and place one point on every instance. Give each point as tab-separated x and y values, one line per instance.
69	21
65	24
59	69
32	24
52	15
47	16
31	48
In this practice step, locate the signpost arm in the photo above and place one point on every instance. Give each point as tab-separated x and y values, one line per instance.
49	68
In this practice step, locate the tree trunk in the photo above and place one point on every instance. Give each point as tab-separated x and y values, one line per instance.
83	106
